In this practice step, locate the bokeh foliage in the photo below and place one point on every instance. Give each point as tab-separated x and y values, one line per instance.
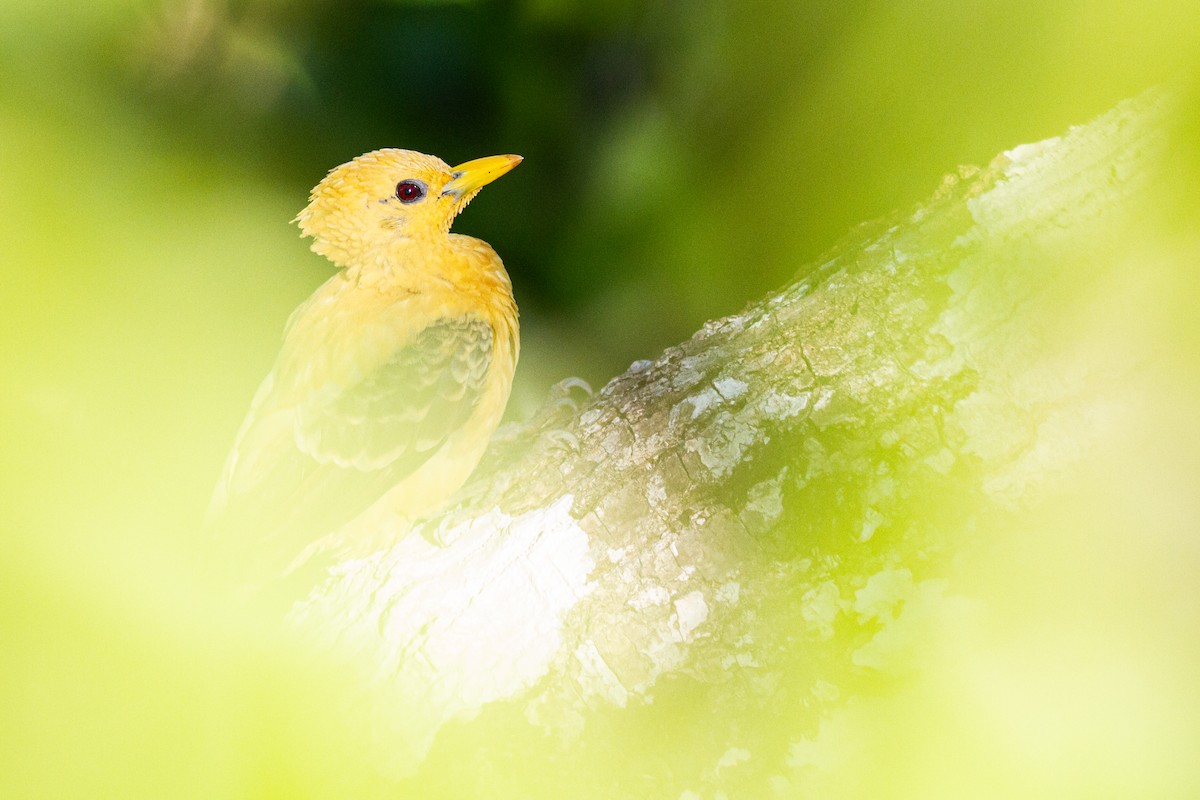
681	159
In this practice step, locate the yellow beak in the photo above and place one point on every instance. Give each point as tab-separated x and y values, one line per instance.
469	177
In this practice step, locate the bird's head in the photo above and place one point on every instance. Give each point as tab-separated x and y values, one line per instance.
384	195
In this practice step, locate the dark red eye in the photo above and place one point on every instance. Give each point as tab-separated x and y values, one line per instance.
409	191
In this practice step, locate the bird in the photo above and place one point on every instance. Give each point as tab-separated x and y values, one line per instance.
391	377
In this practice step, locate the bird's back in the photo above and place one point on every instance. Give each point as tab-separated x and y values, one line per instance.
378	408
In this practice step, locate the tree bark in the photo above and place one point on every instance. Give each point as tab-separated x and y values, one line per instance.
668	587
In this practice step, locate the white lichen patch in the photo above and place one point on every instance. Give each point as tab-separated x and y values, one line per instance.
872	519
590	417
730	388
942	461
766	497
704	400
1022	156
746	660
732	757
691	611
883	592
732	432
728	592
812	753
915	617
616	672
723	390
732	324
649	596
819	608
447	630
728	438
601	681
688	373
878	495
742	654
616	554
824	396
666	652
641	365
656	490
781	405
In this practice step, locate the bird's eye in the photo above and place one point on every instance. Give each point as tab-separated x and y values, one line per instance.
409	191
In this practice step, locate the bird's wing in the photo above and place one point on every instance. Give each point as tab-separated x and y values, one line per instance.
301	469
401	412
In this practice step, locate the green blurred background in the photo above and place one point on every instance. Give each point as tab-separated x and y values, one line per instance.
681	159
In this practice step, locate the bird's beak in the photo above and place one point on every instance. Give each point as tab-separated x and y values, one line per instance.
467	178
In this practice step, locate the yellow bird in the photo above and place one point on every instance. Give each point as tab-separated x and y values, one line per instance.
392	376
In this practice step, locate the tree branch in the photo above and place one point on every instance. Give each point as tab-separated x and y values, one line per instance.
727	543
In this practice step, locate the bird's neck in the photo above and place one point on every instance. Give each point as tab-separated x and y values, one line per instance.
443	262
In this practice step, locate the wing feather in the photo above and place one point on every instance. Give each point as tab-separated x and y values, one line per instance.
300	470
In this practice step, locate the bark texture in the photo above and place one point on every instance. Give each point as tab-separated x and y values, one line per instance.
667	587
